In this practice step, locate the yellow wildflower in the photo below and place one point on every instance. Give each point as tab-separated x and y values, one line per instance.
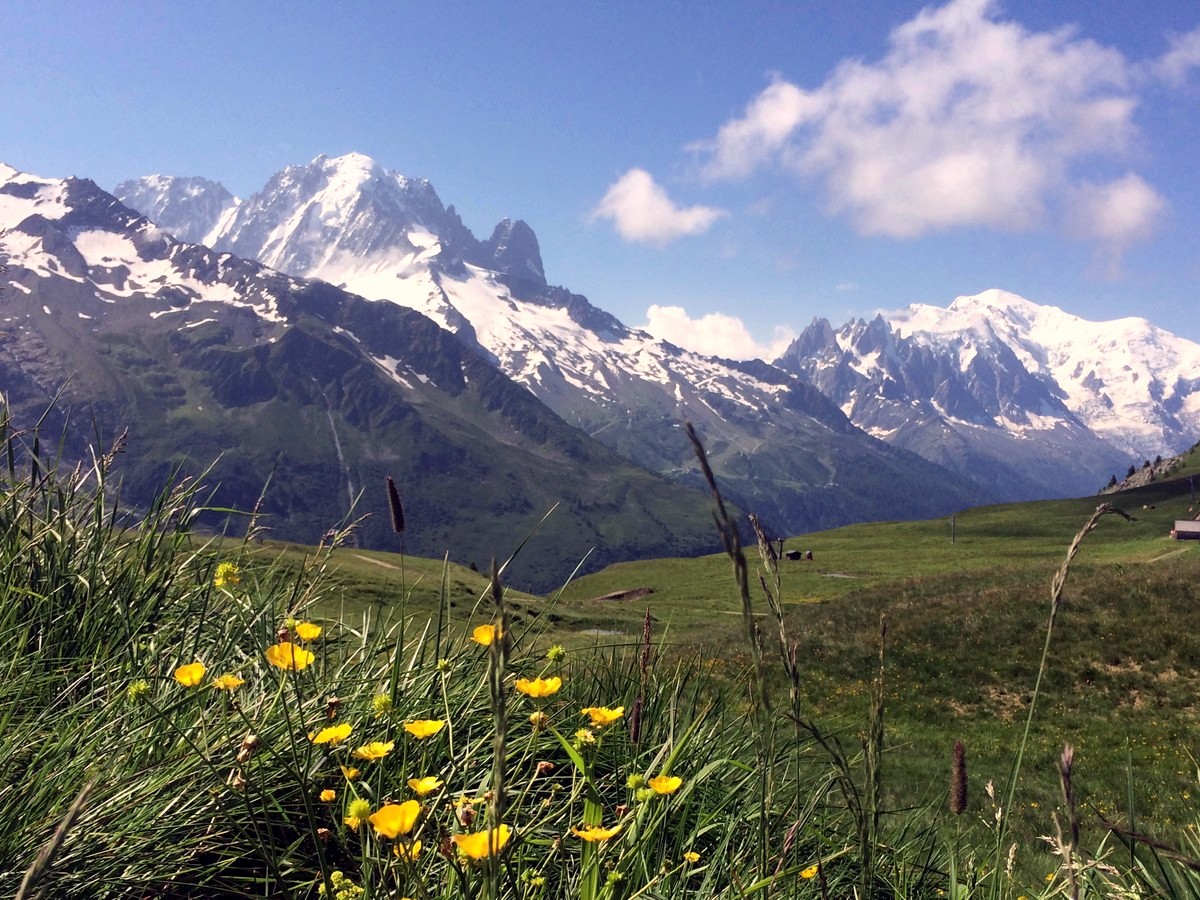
426	785
328	795
592	833
349	771
485	634
286	655
423	728
810	872
307	631
482	844
227	682
539	719
334	734
603	716
408	851
358	812
395	819
374	750
226	575
539	687
691	856
665	784
191	674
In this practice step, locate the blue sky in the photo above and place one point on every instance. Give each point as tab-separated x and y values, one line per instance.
723	172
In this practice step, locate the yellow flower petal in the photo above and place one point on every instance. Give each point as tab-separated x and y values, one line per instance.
592	833
227	682
426	785
423	728
484	634
408	851
349	771
287	655
396	819
539	687
665	784
307	631
374	750
810	872
328	795
334	734
482	844
191	674
603	716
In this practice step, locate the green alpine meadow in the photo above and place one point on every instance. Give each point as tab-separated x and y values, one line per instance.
997	704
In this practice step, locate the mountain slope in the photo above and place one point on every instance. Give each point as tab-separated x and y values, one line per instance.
779	446
1030	401
206	356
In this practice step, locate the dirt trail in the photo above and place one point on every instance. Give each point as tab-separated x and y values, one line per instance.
1169	555
378	562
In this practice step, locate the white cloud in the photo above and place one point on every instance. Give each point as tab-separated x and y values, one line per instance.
641	211
1177	63
714	334
968	120
1115	215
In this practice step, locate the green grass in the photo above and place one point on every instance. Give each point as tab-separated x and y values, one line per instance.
839	790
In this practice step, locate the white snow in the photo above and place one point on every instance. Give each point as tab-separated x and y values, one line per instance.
47	199
1107	370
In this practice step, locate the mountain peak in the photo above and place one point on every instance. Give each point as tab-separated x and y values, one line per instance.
189	207
513	249
351	169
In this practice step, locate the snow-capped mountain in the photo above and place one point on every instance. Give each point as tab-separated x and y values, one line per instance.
778	445
207	356
1029	398
189	208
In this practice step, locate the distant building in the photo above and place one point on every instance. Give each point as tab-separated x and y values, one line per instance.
1186	530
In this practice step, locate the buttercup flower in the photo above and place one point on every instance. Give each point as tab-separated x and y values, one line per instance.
395	819
226	575
426	785
602	716
539	719
423	728
286	655
482	844
307	631
665	784
810	872
593	833
691	856
374	750
191	674
584	736
349	772
358	812
484	634
334	734
408	851
555	653
539	687
227	682
328	795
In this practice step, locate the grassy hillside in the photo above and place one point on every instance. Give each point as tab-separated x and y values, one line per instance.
296	722
966	625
